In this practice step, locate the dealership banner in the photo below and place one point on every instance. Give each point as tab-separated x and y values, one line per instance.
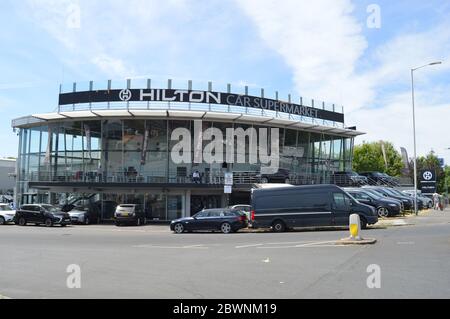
427	180
189	96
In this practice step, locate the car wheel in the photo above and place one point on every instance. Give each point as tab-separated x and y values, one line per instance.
63	225
118	224
178	228
278	226
226	228
363	222
22	221
264	180
382	212
48	222
2	221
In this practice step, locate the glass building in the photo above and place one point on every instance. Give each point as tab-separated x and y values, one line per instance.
124	151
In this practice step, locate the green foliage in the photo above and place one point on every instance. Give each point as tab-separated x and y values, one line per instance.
369	157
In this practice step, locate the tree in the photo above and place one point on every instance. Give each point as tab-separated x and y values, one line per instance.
368	157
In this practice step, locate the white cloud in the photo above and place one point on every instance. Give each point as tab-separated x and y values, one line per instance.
320	40
323	43
112	67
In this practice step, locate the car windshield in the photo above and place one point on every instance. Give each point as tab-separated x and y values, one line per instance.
375	193
5	207
371	195
128	208
51	209
390	192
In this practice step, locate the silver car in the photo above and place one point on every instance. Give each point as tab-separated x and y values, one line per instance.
6	214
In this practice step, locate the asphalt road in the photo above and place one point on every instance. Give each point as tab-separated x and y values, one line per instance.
151	262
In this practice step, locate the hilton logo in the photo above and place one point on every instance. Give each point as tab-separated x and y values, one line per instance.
125	95
427	175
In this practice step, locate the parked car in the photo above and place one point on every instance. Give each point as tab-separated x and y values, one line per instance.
407	201
426	202
377	178
224	219
84	215
379	194
129	214
306	206
281	176
38	214
6	214
243	208
384	206
348	179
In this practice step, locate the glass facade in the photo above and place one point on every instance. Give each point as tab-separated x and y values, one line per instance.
139	151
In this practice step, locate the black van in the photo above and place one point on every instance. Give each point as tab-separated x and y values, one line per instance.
306	206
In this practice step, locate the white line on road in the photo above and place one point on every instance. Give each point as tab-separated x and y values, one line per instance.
172	247
405	243
246	246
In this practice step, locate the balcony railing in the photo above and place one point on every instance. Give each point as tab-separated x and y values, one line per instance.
211	178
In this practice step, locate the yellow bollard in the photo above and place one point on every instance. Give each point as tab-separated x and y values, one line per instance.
355	227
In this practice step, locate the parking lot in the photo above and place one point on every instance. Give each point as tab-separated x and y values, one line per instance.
151	262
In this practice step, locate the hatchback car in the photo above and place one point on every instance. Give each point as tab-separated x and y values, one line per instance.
39	214
6	214
385	207
129	214
221	219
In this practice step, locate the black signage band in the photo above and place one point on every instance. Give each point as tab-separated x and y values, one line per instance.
189	96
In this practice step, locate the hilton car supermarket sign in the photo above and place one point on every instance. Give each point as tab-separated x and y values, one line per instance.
188	96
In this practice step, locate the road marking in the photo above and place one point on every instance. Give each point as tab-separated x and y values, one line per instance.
172	247
246	246
4	297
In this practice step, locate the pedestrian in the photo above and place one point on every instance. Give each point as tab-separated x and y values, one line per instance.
436	201
196	177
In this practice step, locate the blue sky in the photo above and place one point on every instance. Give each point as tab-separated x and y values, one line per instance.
322	49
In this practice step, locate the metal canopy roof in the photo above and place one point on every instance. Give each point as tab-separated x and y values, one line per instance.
37	119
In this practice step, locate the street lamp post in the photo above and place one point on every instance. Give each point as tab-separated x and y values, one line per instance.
414	130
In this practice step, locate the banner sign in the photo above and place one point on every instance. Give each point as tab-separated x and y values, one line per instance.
427	180
188	96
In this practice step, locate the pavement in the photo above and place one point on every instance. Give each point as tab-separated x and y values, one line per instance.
412	261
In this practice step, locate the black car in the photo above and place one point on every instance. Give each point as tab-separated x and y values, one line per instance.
348	179
281	176
407	202
307	206
39	214
385	207
378	178
224	219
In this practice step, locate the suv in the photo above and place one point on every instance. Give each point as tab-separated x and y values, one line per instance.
348	179
377	178
129	214
41	214
6	214
281	176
